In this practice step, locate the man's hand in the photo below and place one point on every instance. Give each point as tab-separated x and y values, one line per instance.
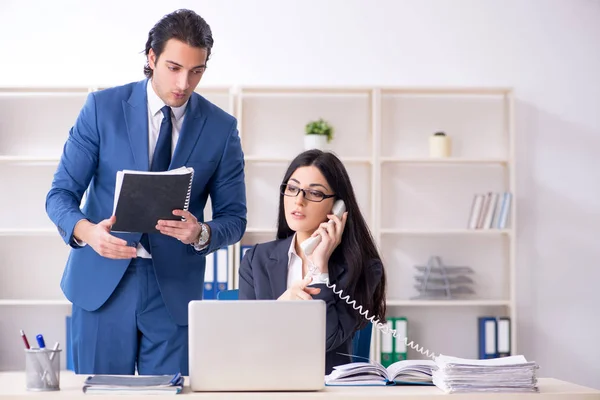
300	291
187	231
98	236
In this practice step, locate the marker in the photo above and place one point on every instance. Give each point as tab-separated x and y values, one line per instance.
40	340
25	339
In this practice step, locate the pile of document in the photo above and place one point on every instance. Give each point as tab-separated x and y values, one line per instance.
134	384
505	374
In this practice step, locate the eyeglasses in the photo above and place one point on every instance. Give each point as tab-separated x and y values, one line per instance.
310	195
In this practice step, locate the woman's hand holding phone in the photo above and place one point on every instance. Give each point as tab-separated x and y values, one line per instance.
331	236
300	290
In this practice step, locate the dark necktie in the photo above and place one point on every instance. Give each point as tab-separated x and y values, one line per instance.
162	152
162	155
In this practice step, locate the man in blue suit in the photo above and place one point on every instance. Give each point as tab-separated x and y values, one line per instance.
130	291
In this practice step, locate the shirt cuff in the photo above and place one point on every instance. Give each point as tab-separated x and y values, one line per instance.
78	242
197	247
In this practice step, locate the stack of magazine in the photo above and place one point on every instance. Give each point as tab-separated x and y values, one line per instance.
133	384
505	374
405	372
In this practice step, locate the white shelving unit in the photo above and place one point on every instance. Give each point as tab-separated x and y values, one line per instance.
34	123
415	206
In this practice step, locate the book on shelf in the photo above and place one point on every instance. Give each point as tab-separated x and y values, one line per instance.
404	372
489	210
144	197
133	384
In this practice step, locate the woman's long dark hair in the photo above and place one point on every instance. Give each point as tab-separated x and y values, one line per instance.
357	248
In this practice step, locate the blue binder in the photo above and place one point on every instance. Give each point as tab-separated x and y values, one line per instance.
68	350
488	337
209	278
221	270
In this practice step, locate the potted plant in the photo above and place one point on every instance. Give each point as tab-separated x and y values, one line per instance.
318	134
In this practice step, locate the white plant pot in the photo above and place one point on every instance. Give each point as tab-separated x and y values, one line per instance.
439	146
315	142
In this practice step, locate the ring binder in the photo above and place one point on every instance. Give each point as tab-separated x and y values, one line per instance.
189	192
144	197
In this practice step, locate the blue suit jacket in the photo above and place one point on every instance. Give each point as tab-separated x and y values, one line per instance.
263	275
111	134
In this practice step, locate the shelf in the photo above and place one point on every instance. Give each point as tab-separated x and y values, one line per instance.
445	231
29	232
31	92
261	230
18	302
453	91
283	160
294	91
450	160
30	159
447	303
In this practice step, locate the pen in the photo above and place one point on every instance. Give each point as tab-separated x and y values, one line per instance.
54	351
40	340
25	339
50	357
45	362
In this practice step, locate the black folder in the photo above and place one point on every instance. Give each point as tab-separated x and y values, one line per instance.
143	197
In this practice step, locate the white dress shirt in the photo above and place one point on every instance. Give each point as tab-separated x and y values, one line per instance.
295	267
155	117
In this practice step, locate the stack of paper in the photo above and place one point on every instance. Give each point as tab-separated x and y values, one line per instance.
133	384
505	374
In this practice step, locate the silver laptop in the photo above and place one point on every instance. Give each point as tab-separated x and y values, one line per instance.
256	345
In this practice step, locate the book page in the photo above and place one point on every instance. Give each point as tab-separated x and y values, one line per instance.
118	184
414	368
176	171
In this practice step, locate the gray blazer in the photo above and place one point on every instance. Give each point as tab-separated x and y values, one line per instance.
263	276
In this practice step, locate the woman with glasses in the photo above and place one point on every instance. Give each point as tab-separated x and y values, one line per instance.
346	256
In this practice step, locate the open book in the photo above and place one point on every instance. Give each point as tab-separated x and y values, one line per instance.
144	197
133	384
405	372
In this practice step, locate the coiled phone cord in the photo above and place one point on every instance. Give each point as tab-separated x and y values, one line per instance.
384	328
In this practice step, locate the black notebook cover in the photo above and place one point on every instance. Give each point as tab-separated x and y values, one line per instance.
143	199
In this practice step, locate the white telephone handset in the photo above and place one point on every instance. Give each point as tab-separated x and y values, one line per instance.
310	244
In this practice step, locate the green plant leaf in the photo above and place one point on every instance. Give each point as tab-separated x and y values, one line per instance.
320	127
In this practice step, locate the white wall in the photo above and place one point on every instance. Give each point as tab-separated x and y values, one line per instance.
548	50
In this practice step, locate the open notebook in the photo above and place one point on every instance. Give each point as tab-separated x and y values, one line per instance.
133	384
405	372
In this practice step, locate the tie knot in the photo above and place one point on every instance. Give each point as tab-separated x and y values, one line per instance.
166	110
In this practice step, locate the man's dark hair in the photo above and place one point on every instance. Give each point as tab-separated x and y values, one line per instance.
183	25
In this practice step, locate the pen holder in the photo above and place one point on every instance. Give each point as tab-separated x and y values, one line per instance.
42	369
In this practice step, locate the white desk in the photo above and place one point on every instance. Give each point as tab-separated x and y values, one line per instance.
12	386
